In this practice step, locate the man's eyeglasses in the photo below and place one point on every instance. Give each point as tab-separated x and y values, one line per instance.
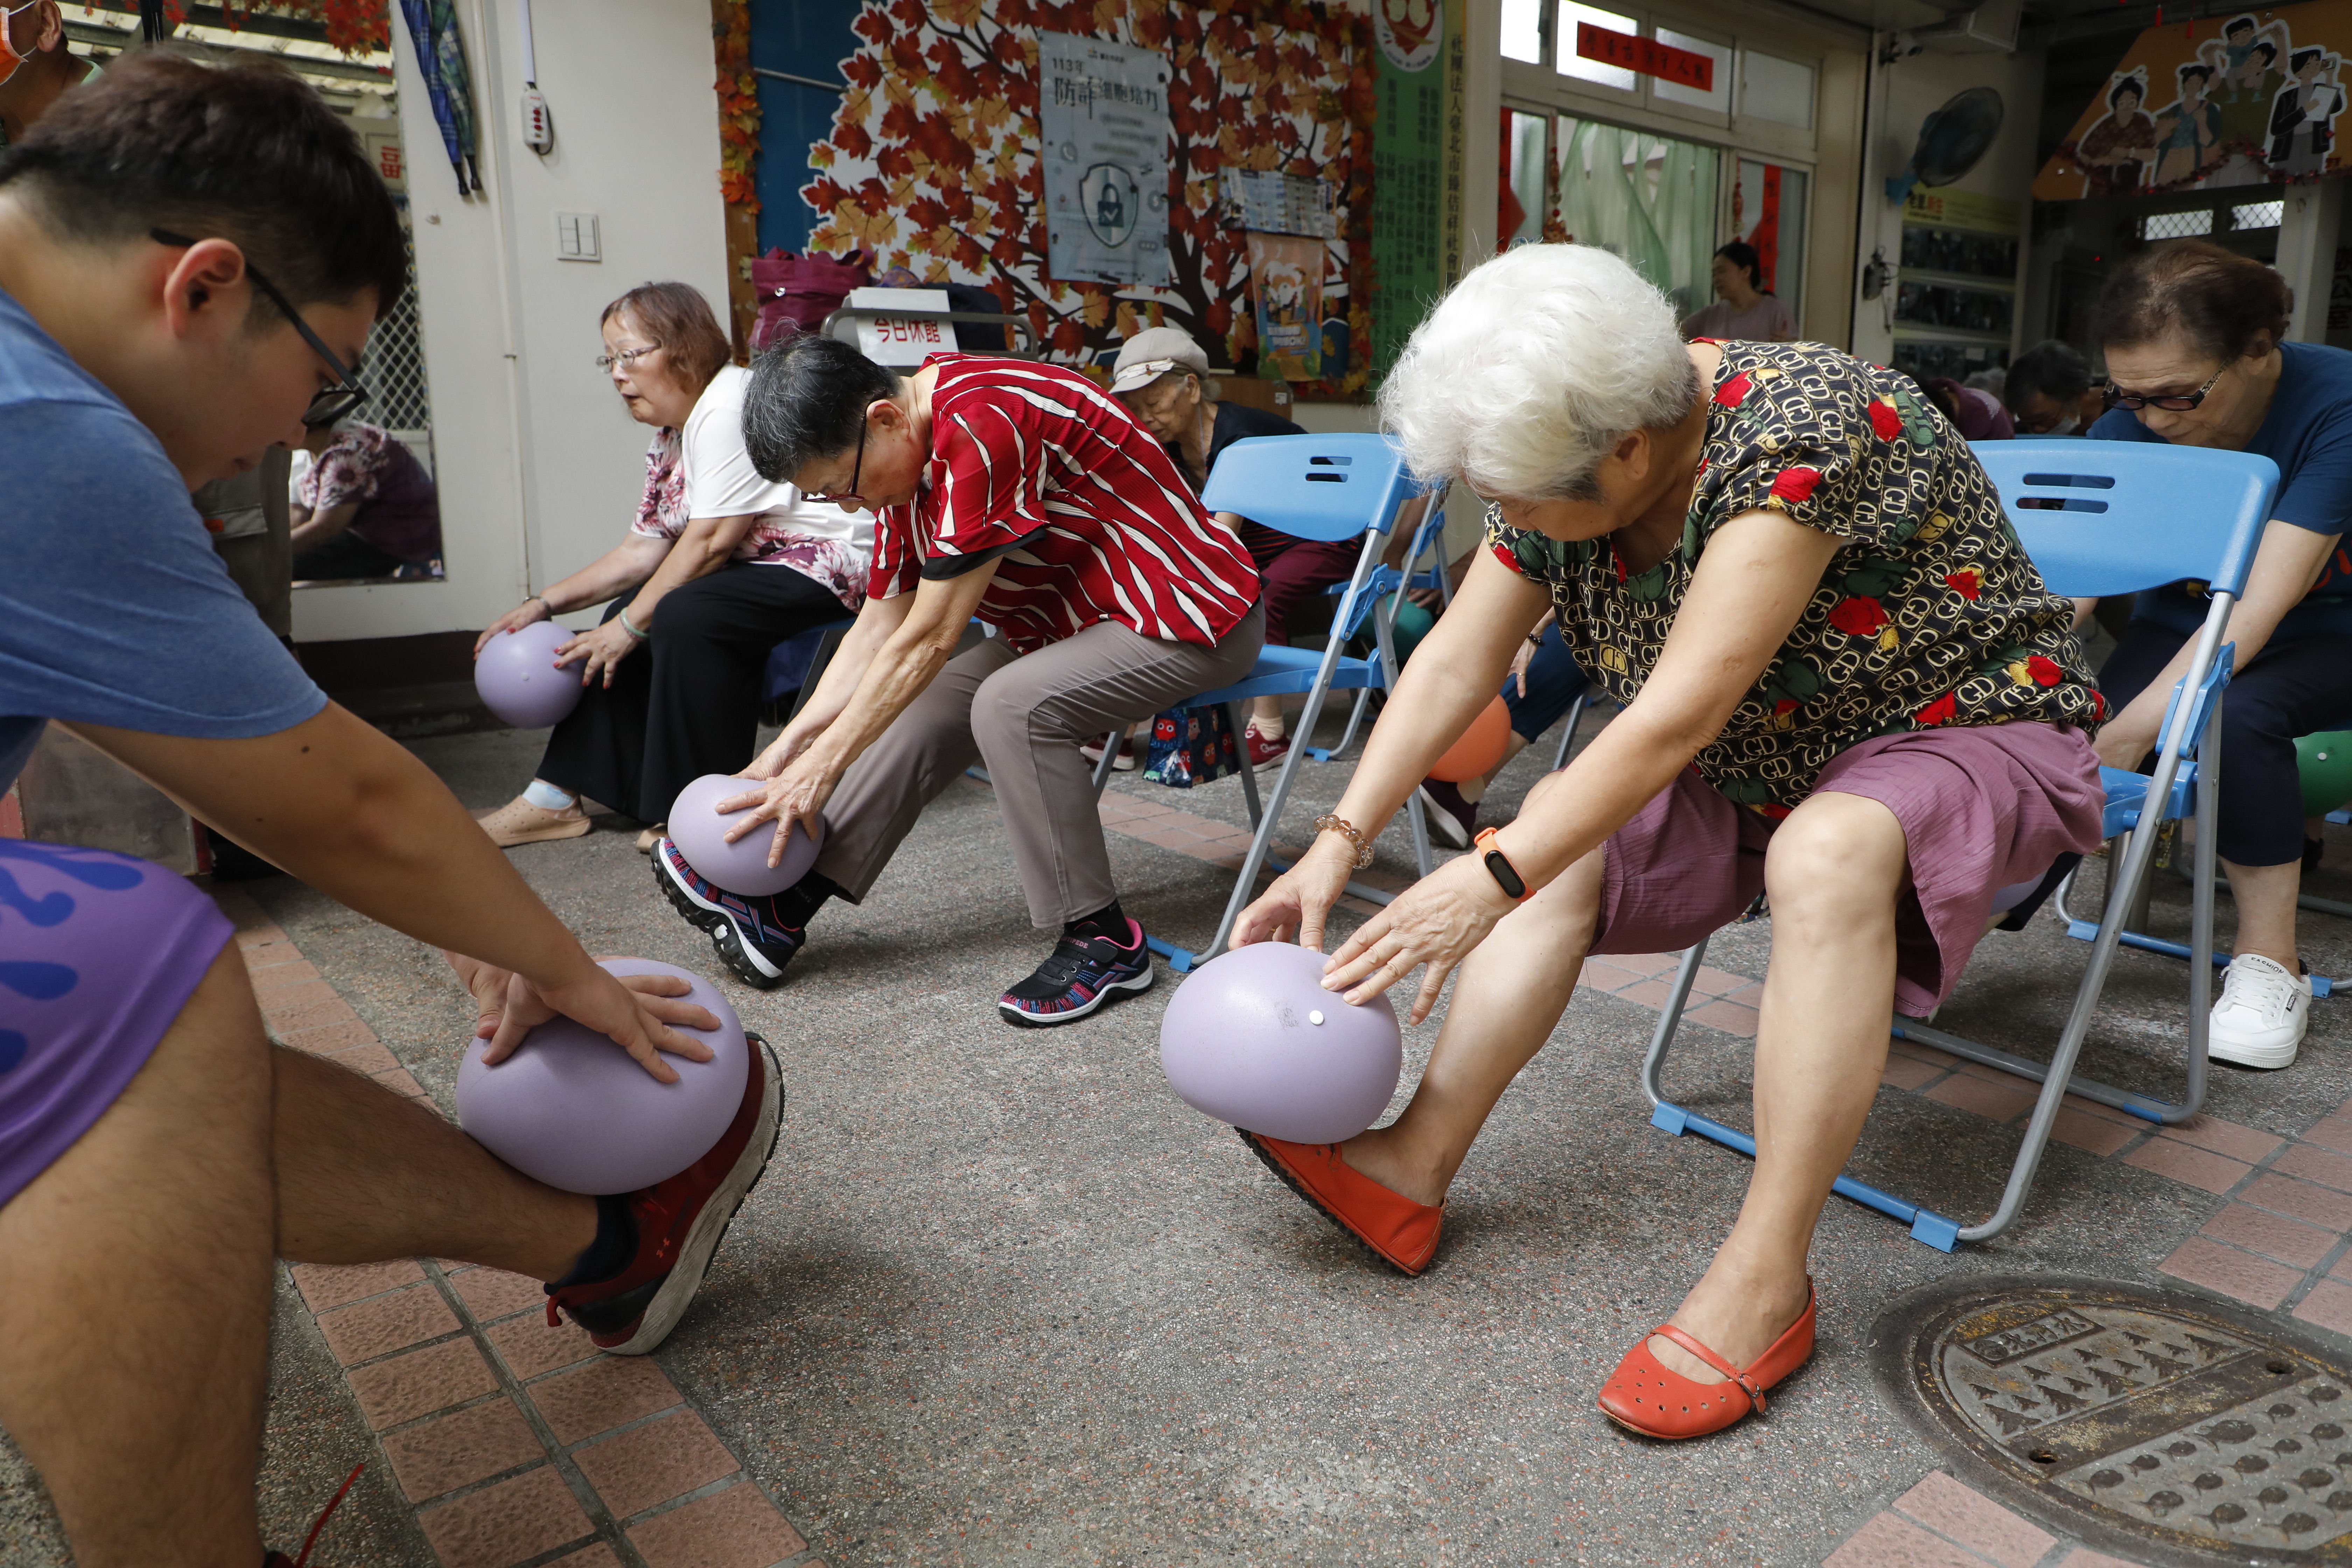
2179	402
626	359
328	403
856	473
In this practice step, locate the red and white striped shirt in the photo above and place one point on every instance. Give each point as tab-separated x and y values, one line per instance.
1034	467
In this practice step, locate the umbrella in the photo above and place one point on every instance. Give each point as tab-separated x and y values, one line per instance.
441	57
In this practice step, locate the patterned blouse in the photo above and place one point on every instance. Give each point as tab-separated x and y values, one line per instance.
837	565
1930	612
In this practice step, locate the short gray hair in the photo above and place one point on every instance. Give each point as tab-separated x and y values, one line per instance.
1532	370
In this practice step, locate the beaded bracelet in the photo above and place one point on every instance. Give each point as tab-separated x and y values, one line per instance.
1330	823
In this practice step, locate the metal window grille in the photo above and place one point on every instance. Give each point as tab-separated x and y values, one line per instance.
395	366
2257	214
2177	225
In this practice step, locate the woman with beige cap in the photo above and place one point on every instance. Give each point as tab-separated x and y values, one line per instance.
1164	378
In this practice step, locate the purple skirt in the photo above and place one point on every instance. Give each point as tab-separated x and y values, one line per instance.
1981	808
98	952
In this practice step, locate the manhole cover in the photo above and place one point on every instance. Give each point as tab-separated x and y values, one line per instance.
2167	1427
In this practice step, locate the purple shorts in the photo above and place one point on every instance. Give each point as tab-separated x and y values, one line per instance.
98	952
1981	808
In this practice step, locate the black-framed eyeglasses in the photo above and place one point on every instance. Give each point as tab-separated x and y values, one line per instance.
2178	402
328	403
857	472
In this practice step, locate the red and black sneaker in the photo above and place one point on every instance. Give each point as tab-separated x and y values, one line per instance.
679	1223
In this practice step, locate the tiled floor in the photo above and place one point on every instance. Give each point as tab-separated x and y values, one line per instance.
518	1443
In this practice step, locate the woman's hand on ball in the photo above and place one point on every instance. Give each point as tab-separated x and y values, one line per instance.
1437	921
1295	907
798	794
782	752
530	610
603	648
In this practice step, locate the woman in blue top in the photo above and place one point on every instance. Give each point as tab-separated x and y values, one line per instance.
2193	337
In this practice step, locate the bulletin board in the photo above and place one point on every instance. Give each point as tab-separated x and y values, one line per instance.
933	165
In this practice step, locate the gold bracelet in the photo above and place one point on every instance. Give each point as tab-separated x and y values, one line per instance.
1332	823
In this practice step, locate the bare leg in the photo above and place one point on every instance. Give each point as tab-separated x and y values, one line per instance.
1474	790
364	1175
1833	872
134	1331
1507	1001
2265	898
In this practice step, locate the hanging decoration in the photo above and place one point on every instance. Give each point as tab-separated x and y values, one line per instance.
2255	101
449	83
933	162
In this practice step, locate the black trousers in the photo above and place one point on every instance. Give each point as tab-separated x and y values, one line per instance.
687	701
2293	687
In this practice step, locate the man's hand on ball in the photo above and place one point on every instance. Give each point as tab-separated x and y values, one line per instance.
635	1012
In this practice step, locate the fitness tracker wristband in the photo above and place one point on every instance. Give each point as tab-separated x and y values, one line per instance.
1499	867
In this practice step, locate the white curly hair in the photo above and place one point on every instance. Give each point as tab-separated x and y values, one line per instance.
1532	369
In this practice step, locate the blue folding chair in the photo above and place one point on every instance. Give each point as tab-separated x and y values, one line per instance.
1325	488
1388	588
2097	518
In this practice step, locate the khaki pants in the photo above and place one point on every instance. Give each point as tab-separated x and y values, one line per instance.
1024	717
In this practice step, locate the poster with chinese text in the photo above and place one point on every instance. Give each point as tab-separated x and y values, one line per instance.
1103	116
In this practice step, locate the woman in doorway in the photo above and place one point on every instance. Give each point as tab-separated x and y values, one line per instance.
1746	309
2194	340
720	566
1844	684
1164	378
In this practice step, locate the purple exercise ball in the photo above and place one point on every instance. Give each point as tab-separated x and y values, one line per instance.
700	835
517	677
576	1112
1253	1040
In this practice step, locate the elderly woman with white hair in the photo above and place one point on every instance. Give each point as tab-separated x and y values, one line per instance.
1845	685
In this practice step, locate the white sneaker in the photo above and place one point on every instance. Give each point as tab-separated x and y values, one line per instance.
2257	1022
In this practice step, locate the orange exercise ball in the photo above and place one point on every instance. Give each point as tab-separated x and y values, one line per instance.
1480	747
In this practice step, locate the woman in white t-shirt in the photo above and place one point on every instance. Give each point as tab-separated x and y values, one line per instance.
720	566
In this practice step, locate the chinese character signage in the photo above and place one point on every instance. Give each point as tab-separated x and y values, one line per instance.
897	338
1417	139
1102	114
2244	98
1646	56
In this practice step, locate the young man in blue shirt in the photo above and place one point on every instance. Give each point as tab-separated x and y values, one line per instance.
191	258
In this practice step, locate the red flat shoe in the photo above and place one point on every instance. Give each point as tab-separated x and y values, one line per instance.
1643	1396
1400	1232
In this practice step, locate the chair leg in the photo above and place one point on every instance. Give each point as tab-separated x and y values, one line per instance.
1670	1017
1346	736
1109	759
1237	715
1568	736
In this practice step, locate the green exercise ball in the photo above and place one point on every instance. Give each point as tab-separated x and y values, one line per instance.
1413	624
2325	761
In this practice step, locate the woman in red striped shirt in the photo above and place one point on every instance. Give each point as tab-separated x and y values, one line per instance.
1023	495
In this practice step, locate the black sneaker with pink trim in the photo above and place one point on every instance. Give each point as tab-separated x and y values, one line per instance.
679	1223
1084	972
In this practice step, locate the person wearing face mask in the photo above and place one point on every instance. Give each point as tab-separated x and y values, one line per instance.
2194	340
36	65
1026	496
2049	391
719	567
1164	378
